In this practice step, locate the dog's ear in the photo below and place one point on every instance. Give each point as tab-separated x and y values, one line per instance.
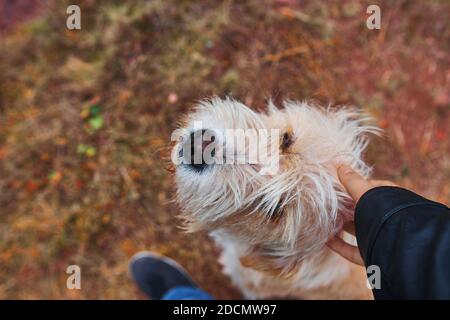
258	260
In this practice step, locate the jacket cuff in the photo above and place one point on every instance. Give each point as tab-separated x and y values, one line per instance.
374	208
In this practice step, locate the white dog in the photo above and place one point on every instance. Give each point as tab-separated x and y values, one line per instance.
273	225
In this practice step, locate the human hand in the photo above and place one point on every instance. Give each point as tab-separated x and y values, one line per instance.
356	186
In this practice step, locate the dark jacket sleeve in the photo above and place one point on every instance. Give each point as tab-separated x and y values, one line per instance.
408	238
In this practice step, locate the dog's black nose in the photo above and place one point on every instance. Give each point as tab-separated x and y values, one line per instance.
195	152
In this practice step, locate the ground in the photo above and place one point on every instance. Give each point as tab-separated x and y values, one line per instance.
86	117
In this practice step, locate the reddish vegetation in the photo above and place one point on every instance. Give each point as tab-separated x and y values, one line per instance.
16	11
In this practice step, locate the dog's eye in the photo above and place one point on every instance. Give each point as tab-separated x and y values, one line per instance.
287	140
277	213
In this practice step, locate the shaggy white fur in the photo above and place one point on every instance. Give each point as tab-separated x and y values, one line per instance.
273	228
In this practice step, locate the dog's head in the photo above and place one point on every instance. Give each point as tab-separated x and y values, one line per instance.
267	179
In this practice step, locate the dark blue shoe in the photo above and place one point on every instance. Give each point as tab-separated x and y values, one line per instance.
156	275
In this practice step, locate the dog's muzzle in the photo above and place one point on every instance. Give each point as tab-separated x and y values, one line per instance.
198	150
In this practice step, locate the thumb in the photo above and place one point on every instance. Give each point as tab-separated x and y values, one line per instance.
353	182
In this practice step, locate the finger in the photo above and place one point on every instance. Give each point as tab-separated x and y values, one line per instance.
382	183
345	250
350	227
354	183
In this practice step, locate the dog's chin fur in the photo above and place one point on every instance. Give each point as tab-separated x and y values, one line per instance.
273	228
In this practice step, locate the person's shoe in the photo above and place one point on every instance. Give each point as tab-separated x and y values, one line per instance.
155	275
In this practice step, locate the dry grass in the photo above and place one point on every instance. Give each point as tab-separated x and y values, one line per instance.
85	117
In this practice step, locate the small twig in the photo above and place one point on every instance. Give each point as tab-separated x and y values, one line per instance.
275	57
